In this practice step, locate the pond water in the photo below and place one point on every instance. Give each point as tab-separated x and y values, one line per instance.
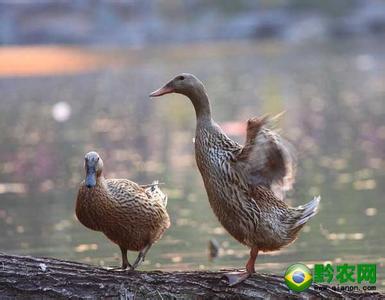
333	95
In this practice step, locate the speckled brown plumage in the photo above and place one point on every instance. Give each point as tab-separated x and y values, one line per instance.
130	215
245	184
246	206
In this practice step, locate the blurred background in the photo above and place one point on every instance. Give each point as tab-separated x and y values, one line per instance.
75	76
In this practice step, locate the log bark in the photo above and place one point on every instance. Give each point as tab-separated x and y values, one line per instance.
25	277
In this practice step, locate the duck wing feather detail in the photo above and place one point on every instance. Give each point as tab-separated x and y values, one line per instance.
267	158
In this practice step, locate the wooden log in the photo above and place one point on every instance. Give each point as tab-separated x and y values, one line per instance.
25	277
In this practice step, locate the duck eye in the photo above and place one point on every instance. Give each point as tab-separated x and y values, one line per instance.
181	77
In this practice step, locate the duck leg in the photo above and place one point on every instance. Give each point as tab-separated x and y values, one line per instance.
141	256
237	277
125	263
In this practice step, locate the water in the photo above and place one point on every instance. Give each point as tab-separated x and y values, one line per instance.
333	95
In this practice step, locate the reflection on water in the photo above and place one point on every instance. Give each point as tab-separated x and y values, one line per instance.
333	96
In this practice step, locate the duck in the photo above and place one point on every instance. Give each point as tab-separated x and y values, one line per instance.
245	184
132	216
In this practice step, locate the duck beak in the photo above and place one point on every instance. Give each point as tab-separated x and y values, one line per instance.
90	178
162	91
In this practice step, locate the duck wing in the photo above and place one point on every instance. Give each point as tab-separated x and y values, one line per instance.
124	190
267	158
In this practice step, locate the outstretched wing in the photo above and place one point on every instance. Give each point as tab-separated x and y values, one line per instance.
267	158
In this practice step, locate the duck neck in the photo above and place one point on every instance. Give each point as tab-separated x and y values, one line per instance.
201	102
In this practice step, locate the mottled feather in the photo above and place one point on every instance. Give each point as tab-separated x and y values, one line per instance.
128	214
267	158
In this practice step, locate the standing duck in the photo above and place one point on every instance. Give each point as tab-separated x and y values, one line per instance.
245	184
132	216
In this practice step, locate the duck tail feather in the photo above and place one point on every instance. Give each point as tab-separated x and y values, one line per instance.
154	189
308	210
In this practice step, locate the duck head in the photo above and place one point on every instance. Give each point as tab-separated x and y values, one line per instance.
184	84
190	86
93	165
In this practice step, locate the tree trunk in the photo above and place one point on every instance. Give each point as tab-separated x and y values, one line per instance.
25	277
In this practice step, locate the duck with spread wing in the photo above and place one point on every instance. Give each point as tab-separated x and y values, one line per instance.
245	184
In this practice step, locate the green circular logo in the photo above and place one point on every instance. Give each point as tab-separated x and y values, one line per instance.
298	277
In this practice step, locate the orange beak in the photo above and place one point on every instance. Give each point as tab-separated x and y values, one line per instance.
162	91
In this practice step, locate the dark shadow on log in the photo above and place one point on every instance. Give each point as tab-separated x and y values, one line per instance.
25	277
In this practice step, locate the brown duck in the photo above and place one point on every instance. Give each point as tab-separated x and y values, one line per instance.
132	216
245	184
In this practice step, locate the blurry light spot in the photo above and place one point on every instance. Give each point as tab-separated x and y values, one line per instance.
230	252
364	184
371	211
192	198
46	186
341	221
85	247
356	236
344	178
176	259
20	229
16	188
63	224
364	62
219	231
337	236
234	128
147	262
343	236
61	111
